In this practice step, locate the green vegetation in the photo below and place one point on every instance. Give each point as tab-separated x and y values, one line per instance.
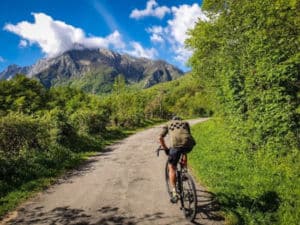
247	59
246	65
251	187
42	133
97	81
45	132
184	97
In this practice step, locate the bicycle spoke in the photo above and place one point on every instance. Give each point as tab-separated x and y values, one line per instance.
189	197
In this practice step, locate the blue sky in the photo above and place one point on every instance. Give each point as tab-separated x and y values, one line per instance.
33	29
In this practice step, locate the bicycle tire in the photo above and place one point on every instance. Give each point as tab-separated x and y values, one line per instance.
189	197
168	185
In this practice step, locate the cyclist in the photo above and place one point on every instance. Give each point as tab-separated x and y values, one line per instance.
182	142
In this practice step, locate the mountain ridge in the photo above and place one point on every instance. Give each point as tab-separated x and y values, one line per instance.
82	67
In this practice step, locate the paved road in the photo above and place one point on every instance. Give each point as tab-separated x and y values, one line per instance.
123	185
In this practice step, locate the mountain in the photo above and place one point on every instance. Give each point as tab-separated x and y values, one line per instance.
95	70
12	70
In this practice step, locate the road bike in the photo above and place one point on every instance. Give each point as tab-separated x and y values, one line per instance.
185	187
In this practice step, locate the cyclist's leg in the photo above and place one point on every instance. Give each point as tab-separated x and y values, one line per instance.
184	159
173	159
172	175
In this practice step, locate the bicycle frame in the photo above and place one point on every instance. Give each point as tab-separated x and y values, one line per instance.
190	194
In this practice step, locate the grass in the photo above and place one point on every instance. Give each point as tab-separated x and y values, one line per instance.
14	198
251	187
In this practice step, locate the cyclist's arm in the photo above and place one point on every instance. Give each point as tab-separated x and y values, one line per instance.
162	137
162	142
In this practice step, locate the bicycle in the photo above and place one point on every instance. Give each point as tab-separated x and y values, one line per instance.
185	187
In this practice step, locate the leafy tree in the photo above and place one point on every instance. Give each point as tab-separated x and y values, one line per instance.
119	84
22	94
247	58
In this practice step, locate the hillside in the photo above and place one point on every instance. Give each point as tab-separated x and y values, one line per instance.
95	70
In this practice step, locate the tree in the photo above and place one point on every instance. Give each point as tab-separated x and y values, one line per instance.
119	84
247	58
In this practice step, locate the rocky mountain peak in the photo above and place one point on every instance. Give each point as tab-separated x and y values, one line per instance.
101	66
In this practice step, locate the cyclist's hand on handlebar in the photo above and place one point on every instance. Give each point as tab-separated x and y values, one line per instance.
167	151
160	148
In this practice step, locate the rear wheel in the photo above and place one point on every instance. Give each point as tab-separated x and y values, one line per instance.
169	188
189	197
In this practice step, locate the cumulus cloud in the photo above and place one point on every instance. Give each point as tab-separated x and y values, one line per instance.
138	51
152	9
156	34
23	44
184	18
156	38
55	37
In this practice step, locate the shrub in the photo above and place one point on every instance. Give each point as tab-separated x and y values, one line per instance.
88	121
18	131
61	131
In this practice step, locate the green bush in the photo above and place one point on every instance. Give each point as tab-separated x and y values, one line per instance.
247	59
28	166
60	129
90	122
22	95
18	132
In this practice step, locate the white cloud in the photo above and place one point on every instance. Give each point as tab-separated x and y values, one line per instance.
156	38
175	33
55	37
155	29
156	34
139	51
23	44
152	9
185	18
1	59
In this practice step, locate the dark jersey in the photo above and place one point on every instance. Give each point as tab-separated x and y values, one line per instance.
180	134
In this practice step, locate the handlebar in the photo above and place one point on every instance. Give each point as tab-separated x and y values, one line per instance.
161	149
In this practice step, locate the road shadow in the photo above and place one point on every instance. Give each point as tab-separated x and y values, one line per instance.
207	207
113	216
59	215
106	215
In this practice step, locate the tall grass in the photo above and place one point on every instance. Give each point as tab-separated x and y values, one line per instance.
252	187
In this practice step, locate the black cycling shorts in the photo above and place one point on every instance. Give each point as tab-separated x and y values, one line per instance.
174	155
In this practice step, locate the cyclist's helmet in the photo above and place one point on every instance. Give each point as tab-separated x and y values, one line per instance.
176	118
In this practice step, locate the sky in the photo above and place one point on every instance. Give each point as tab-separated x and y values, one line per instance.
155	29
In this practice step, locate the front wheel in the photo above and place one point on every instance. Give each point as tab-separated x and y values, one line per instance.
189	197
